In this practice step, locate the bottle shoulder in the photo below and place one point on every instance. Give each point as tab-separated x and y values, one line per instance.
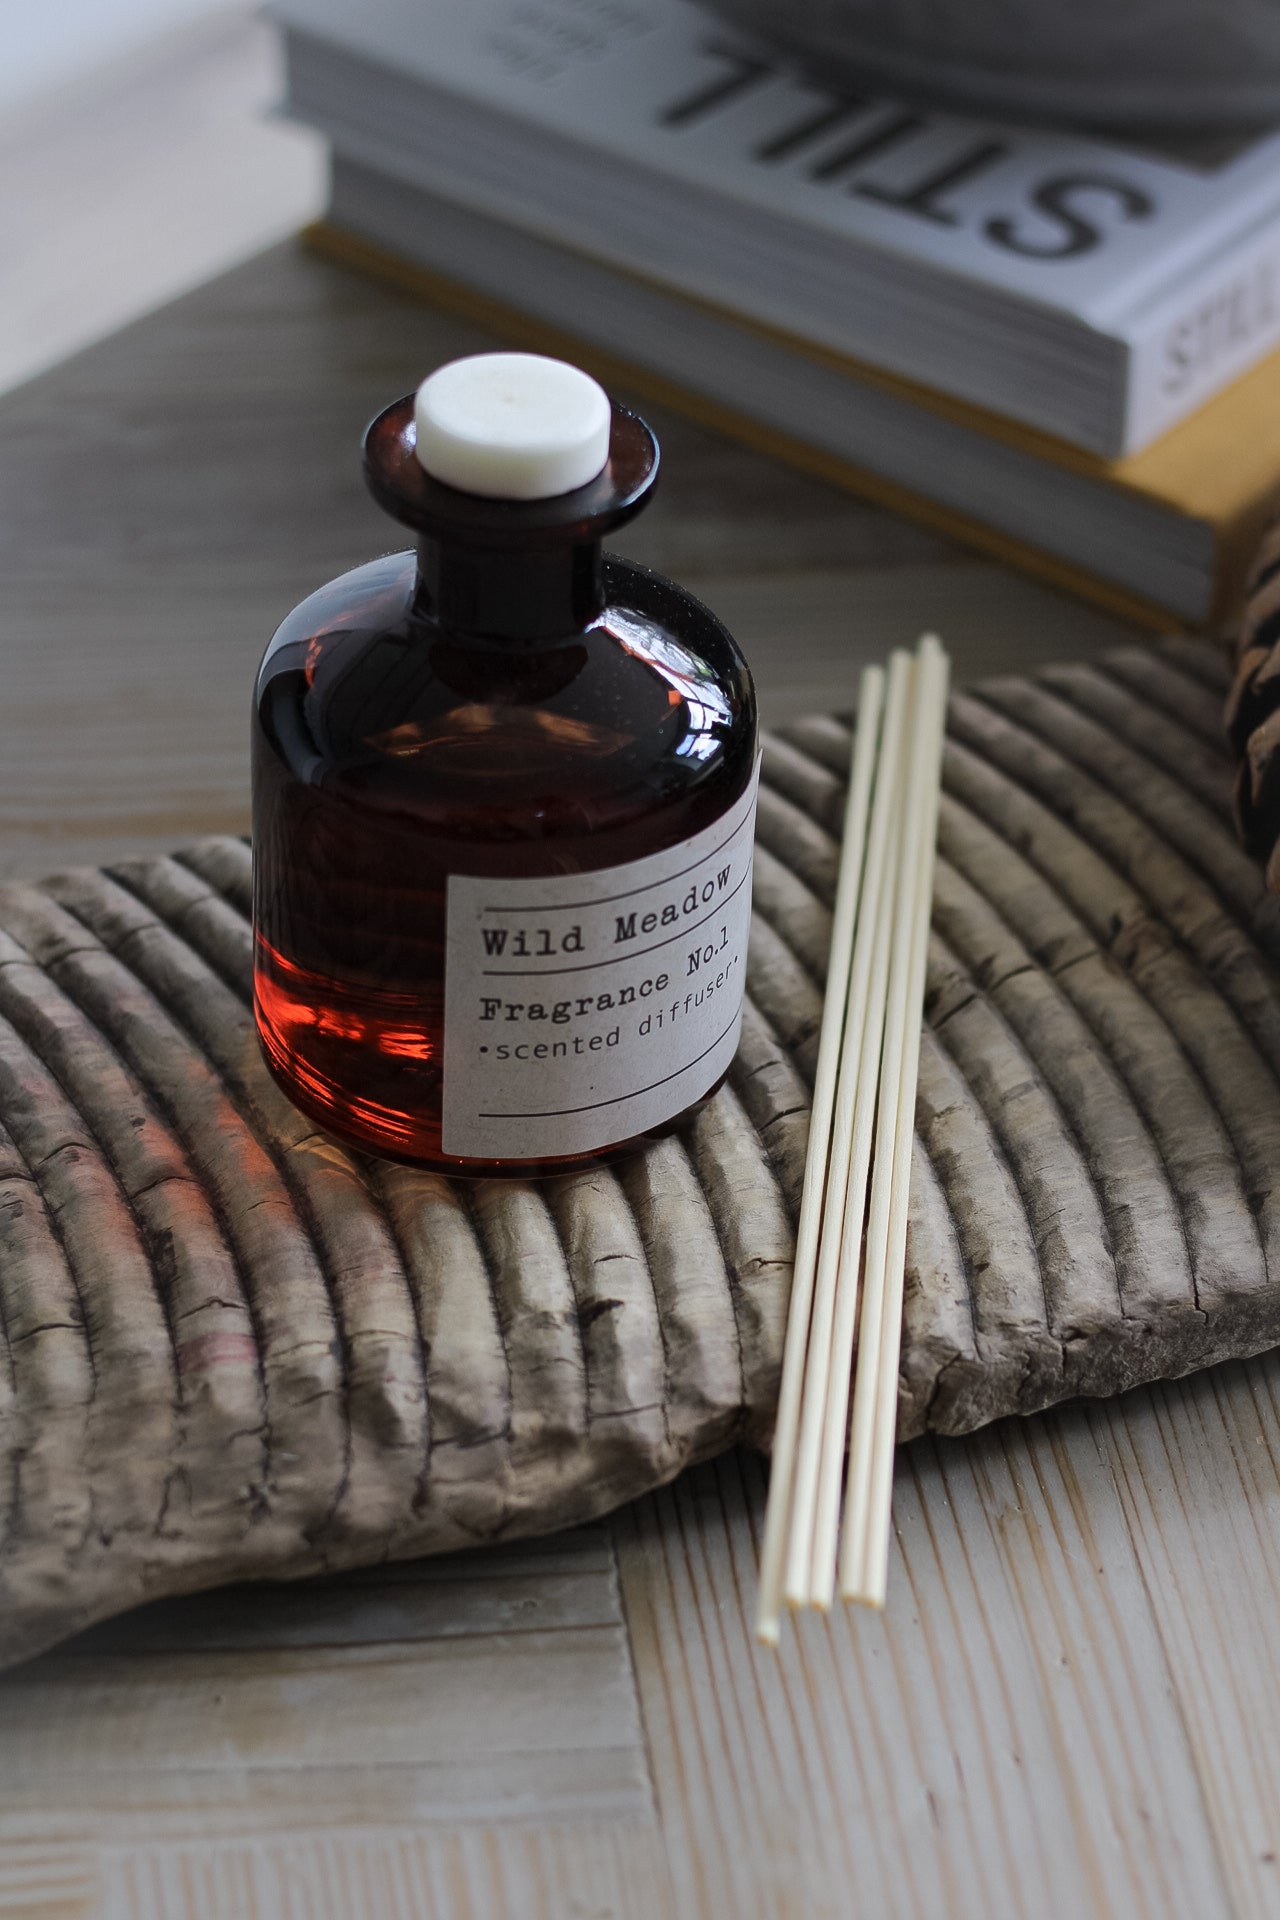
649	708
371	598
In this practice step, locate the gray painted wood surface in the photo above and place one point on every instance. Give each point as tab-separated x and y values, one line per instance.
1072	1706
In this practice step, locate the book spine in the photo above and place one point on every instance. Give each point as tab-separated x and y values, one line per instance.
1193	343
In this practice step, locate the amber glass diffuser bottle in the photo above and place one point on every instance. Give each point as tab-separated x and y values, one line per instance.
503	799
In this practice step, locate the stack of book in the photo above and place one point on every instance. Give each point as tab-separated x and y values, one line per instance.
1063	349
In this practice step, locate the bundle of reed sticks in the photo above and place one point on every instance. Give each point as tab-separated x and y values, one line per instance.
852	1234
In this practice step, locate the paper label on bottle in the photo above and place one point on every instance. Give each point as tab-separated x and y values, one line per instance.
582	1009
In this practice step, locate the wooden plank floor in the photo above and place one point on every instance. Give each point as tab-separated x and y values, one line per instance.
274	1708
1072	1707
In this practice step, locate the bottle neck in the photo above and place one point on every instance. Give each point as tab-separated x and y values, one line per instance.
510	593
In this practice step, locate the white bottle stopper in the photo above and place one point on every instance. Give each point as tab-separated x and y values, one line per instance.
512	426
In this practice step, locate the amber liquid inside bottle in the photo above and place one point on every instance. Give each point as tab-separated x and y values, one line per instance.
484	713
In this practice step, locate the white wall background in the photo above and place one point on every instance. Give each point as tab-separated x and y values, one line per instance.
44	43
138	156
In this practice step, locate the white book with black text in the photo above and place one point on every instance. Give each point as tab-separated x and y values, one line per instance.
1094	290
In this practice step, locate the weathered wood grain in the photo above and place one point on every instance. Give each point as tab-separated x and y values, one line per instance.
1197	1468
1003	1742
500	1689
280	1358
538	1873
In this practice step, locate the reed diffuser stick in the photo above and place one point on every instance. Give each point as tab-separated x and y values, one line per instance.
855	1091
777	1514
851	1236
865	1542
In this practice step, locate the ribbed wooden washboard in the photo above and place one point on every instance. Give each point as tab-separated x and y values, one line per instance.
228	1348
